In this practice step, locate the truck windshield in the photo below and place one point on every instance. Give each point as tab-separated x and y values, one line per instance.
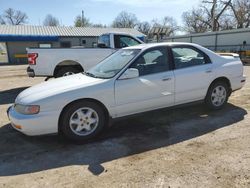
110	66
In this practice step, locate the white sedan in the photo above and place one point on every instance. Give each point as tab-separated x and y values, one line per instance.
132	80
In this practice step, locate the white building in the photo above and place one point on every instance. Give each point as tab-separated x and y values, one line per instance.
15	39
229	40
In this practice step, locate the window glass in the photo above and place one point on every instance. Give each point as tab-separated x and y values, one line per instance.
110	66
124	41
104	39
187	57
152	61
44	45
3	53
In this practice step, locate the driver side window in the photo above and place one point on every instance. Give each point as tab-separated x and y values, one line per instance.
152	61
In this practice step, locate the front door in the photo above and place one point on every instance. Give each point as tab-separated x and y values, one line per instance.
154	88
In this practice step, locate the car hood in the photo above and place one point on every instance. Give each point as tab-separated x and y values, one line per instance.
56	86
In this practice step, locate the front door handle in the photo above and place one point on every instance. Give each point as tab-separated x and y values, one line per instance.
208	71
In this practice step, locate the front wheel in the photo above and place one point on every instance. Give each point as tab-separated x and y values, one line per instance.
82	121
217	95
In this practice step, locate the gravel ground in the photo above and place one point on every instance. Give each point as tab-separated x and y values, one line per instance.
184	147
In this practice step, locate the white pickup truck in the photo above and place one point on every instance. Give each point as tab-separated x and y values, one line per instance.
57	62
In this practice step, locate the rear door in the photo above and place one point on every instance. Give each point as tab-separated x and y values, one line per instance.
193	73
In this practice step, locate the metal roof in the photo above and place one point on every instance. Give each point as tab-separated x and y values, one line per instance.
62	31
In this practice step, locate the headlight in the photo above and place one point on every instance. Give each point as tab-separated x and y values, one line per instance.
27	109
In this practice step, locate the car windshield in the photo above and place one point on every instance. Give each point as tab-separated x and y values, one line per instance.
110	66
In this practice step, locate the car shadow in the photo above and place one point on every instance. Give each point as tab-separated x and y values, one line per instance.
9	96
21	154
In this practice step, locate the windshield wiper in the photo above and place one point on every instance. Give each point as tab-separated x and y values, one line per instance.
90	74
94	76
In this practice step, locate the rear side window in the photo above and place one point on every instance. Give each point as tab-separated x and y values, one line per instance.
105	39
187	57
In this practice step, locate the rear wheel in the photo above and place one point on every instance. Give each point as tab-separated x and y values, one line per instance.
217	95
66	71
82	121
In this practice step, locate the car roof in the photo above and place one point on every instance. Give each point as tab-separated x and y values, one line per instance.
150	45
215	57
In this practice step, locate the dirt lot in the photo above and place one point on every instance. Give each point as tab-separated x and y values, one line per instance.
185	147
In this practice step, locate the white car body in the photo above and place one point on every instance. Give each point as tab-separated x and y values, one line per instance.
50	60
122	97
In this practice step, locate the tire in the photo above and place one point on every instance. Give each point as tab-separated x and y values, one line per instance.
66	71
82	121
217	95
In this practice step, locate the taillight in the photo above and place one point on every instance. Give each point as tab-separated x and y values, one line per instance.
32	58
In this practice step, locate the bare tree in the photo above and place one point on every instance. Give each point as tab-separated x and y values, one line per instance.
241	12
212	15
98	25
125	20
50	21
13	17
214	10
227	22
2	22
194	21
143	27
82	21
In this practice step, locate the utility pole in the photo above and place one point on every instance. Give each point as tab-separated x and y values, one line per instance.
82	18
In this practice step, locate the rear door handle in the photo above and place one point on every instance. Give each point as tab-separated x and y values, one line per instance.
166	79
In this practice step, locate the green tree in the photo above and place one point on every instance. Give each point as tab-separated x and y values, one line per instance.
82	22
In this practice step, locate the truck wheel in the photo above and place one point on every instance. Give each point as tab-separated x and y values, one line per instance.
66	71
217	95
82	121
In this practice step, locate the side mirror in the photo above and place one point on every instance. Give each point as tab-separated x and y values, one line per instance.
101	45
129	73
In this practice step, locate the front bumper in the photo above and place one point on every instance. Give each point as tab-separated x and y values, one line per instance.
33	125
30	72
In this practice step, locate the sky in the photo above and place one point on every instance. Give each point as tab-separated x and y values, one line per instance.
98	11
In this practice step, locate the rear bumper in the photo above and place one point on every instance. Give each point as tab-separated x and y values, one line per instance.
238	83
30	72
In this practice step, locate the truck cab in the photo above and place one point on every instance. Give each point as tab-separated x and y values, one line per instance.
117	40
